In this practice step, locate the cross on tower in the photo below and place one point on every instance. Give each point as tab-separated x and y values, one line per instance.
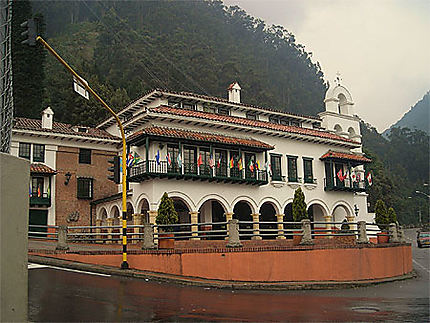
338	78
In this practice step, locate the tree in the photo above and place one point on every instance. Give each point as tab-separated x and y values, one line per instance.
391	215
381	217
166	212
299	206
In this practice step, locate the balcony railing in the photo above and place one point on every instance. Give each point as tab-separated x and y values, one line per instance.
40	199
150	169
334	184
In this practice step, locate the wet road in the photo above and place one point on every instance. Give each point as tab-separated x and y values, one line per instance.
58	295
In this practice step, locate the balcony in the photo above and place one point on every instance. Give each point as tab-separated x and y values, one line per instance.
151	169
43	199
347	185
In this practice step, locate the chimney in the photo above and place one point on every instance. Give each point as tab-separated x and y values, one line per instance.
234	92
47	118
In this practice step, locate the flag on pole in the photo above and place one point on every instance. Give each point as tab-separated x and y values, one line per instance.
353	177
340	175
49	192
157	157
130	160
38	192
136	158
231	162
240	164
258	165
218	165
211	161
169	160
268	168
358	176
251	165
346	174
369	179
29	191
199	160
179	159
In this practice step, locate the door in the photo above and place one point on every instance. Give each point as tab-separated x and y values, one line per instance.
38	217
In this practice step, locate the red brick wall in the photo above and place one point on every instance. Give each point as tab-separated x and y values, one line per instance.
66	200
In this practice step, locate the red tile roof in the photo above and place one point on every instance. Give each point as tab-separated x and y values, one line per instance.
62	128
251	123
41	169
346	156
199	136
231	85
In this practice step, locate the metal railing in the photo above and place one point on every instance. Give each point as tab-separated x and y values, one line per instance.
347	184
309	231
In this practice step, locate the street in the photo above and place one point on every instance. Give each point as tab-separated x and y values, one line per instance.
56	294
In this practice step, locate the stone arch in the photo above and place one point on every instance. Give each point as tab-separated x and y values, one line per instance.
212	216
338	129
102	215
317	209
340	211
335	91
143	208
246	199
242	211
214	197
351	132
114	211
268	214
183	197
276	205
130	211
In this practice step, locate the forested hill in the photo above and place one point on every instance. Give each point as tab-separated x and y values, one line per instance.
418	117
125	48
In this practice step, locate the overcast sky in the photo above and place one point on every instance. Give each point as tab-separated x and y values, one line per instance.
380	47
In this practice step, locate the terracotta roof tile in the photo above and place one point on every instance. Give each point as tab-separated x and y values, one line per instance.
199	136
251	123
41	169
62	128
347	156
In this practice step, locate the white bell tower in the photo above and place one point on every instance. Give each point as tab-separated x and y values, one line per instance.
339	115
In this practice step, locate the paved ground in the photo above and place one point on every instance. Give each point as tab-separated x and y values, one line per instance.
58	295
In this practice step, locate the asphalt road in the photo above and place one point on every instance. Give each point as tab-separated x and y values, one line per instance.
58	295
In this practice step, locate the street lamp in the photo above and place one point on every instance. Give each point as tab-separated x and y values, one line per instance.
419	192
356	209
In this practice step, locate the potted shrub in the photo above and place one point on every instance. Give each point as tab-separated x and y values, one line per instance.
382	221
299	213
166	215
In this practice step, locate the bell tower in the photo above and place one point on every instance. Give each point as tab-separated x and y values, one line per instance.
339	115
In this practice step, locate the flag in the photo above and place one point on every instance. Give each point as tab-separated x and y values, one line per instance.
199	160
157	157
340	175
179	159
258	165
169	160
239	164
231	162
353	177
358	176
38	192
49	192
251	165
268	168
369	179
136	158
29	191
211	161
130	160
219	162
346	174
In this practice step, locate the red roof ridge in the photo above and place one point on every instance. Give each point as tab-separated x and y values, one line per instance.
249	122
345	155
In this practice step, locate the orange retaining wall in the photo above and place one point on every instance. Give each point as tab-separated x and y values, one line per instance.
336	265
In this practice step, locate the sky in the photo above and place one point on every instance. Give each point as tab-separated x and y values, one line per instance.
381	48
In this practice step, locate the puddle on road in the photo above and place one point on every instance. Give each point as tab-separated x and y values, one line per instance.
365	309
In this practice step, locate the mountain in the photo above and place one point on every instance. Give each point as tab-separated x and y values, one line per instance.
418	117
125	48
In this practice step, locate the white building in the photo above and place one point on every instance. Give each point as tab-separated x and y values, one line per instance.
221	159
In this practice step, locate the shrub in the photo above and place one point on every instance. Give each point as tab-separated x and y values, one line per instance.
299	206
166	212
381	216
392	216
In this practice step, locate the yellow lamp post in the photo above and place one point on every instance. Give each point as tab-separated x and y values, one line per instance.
124	264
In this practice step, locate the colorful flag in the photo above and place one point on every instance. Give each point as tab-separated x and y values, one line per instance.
169	160
258	165
340	175
353	177
211	161
136	158
358	176
268	168
369	179
251	165
179	159
38	192
199	160
29	191
240	164
157	157
130	160
231	162
218	165
346	174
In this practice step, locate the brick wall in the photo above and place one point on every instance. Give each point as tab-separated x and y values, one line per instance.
66	200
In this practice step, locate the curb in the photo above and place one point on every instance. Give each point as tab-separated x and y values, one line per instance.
195	281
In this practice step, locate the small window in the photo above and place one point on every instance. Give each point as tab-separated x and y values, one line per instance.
37	184
188	106
251	115
84	156
24	150
292	168
209	109
275	163
38	153
224	111
273	119
85	188
308	172
295	123
285	122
